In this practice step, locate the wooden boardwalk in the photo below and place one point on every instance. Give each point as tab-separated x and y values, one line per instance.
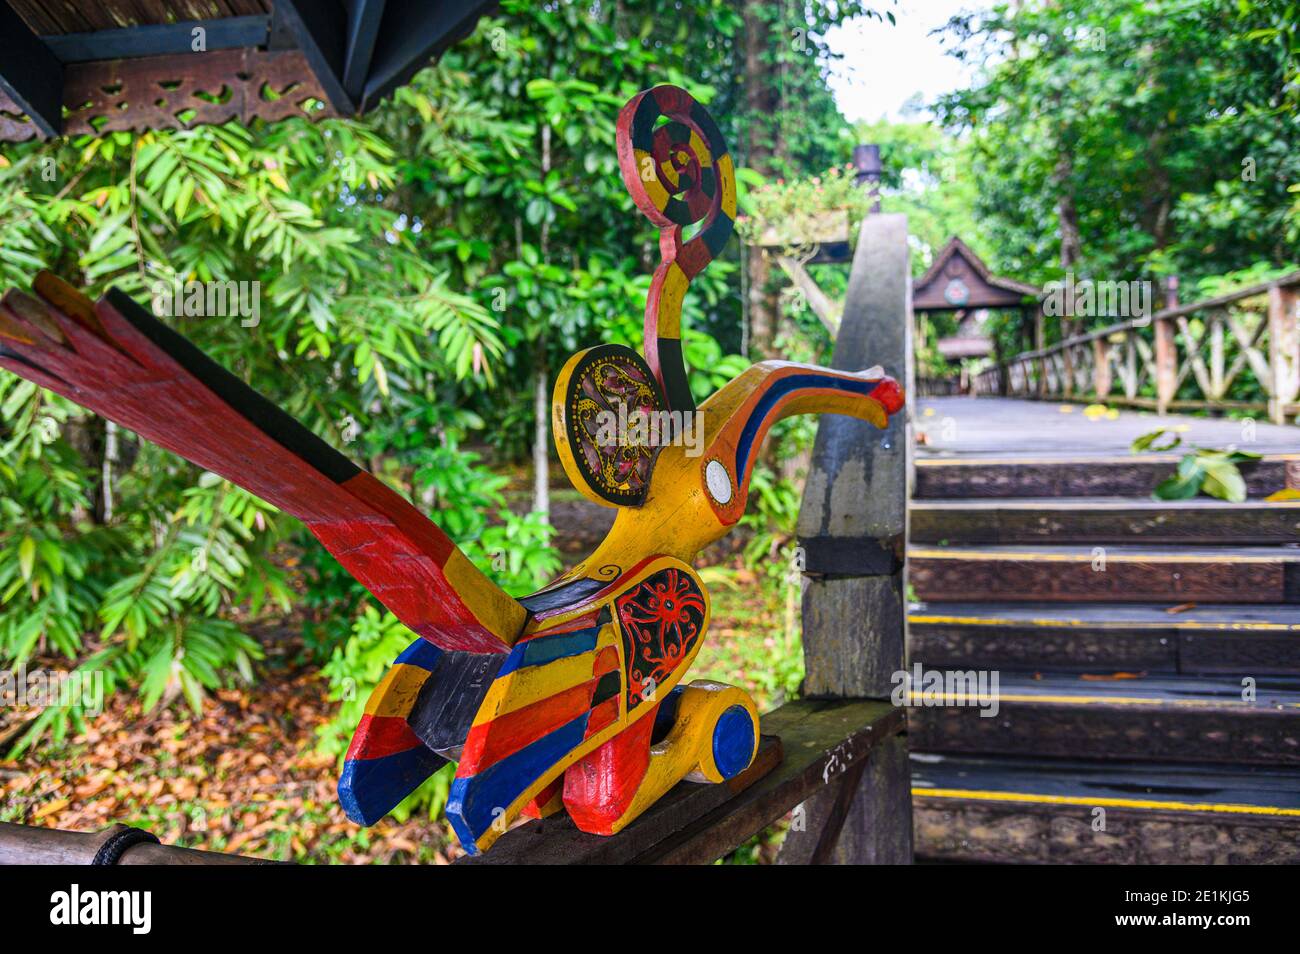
1147	652
992	428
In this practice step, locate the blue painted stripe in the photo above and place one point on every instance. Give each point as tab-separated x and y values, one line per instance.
370	788
544	649
475	802
421	653
795	382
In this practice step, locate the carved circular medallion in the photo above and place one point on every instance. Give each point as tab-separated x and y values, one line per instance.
612	406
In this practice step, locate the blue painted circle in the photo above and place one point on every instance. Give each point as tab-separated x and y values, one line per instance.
733	741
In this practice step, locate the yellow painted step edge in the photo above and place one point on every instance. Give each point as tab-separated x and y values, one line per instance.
1087	556
1062	623
961	698
1152	804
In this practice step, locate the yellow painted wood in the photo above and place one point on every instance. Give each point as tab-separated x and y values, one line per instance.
1049	622
1091	801
397	691
918	696
531	684
511	692
490	604
1113	555
671	299
727	183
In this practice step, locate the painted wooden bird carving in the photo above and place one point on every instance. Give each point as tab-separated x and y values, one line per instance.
566	700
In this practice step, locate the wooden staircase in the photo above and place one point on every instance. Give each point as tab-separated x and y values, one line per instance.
1147	657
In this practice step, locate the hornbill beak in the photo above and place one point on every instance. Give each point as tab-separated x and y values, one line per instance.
739	415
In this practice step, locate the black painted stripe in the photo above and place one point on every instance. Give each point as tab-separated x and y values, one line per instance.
607	688
565	594
677	389
643	123
265	416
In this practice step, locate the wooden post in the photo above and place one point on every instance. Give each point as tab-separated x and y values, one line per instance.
1166	351
1000	370
852	528
1100	369
1040	342
1283	349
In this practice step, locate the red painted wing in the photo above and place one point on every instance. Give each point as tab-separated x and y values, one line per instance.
122	363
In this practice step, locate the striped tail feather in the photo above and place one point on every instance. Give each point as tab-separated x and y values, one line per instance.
116	359
415	720
558	694
386	760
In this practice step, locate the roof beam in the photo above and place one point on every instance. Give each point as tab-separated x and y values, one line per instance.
158	39
428	28
321	28
364	17
30	74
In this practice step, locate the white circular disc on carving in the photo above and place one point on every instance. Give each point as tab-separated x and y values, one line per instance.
718	481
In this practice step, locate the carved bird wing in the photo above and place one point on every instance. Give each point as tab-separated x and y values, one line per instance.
116	359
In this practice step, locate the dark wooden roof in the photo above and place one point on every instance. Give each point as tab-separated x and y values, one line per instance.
960	279
68	68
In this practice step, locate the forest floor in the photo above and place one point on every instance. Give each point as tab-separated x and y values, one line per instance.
246	775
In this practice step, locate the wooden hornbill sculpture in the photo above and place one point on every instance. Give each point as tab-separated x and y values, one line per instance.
565	700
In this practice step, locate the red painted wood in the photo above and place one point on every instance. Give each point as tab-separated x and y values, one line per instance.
603	715
548	801
377	736
490	742
123	376
599	788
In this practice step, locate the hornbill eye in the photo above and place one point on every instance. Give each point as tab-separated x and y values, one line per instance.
718	481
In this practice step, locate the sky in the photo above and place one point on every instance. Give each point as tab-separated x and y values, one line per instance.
886	65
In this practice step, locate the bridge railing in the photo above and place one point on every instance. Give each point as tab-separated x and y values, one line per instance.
1238	351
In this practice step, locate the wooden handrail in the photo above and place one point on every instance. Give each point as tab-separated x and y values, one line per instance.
27	845
1088	365
813	745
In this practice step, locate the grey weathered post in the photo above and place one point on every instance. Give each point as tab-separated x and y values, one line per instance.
852	528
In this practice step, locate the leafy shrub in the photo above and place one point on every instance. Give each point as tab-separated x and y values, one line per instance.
1211	472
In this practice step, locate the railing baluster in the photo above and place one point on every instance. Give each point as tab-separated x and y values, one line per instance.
1283	349
1166	365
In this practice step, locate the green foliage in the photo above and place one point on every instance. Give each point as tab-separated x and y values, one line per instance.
808	209
1169	125
417	270
1149	442
928	175
1211	472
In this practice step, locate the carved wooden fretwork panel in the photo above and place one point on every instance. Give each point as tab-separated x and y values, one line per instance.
179	92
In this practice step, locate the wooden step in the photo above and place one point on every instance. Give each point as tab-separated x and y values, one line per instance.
1122	476
1101	638
1130	574
1100	520
1014	811
1068	716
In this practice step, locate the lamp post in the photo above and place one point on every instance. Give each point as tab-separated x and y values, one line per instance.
866	159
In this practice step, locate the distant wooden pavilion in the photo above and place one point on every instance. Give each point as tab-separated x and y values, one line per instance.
959	281
85	68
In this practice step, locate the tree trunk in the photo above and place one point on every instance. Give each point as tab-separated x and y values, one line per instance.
541	450
1067	216
763	102
542	382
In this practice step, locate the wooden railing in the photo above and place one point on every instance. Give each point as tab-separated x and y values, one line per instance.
1196	356
926	386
